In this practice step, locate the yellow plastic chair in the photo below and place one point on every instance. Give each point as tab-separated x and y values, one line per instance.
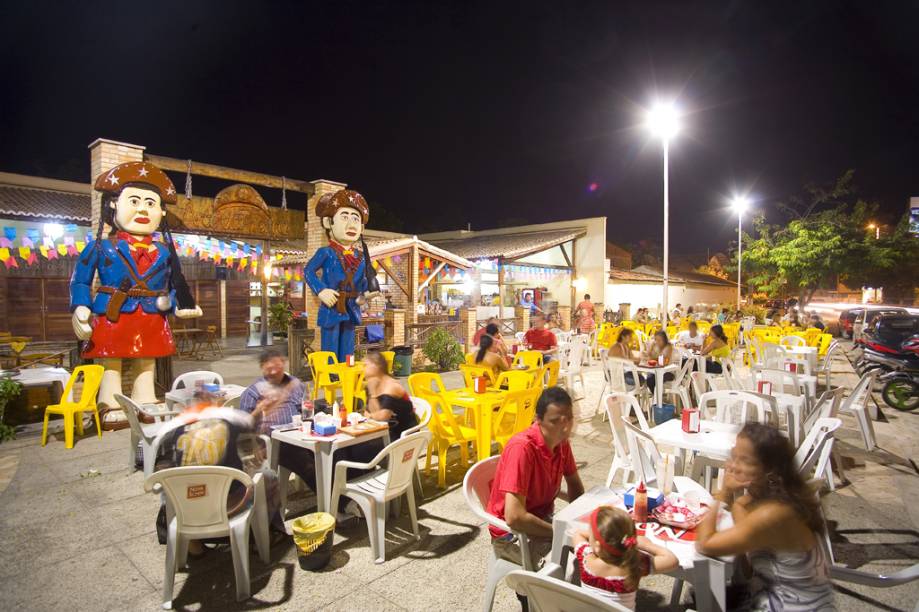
531	359
812	336
318	362
517	380
515	415
470	358
447	432
633	325
92	379
471	372
551	377
352	387
389	356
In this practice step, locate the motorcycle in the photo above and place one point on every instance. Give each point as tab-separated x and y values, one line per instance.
901	386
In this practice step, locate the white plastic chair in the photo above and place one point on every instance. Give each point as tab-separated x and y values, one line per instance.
857	405
477	490
547	594
782	381
699	383
616	413
423	414
188	380
571	366
736	406
196	503
793	341
677	387
813	456
614	371
825	367
372	491
773	355
233	402
644	454
141	434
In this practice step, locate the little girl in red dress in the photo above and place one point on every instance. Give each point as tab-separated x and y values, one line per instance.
612	559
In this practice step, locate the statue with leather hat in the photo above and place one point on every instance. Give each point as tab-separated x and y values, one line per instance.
140	283
347	276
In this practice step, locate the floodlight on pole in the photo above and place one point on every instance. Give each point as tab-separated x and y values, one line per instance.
740	204
663	121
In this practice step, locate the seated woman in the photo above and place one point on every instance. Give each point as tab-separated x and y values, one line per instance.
777	525
622	350
500	346
489	357
386	399
716	347
662	351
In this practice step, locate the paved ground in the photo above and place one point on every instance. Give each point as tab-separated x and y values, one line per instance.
77	531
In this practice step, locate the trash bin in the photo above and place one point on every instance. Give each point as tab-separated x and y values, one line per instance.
402	362
313	535
663	413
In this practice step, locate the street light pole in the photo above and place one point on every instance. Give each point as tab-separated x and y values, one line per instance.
666	313
664	122
739	253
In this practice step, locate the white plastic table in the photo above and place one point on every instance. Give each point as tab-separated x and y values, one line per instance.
707	574
323	449
43	377
183	396
715	439
658	373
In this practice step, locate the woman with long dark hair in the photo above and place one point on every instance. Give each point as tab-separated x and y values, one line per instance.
777	524
489	357
716	347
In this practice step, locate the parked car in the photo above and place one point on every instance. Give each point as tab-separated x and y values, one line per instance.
891	330
847	320
867	317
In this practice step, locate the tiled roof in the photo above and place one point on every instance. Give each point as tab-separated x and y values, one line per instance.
509	246
17	201
648	274
379	248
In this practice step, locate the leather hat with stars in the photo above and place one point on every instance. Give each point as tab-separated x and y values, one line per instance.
329	204
144	173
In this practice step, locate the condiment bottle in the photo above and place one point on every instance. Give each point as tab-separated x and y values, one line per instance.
343	414
640	509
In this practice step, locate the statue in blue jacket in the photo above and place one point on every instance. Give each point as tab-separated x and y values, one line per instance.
346	280
140	283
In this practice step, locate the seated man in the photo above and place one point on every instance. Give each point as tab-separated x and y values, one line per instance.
538	338
273	400
691	338
529	477
476	340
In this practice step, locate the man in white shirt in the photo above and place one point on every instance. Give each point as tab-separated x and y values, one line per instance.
691	338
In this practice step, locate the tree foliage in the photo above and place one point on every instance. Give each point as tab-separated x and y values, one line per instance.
826	241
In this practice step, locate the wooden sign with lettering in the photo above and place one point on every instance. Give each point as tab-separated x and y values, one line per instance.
236	212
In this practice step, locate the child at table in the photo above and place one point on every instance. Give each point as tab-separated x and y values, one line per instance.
612	559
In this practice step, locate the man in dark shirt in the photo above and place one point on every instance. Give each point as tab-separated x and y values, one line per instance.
273	400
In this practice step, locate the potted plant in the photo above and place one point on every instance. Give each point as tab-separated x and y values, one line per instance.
9	389
443	349
279	317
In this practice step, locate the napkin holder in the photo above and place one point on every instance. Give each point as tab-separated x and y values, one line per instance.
325	425
655	498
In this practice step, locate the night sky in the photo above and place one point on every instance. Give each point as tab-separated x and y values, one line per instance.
480	112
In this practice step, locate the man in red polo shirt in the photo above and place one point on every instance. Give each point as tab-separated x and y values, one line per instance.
529	477
538	338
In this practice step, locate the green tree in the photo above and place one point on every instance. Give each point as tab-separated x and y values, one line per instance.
824	241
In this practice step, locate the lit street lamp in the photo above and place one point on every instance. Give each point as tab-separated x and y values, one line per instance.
664	122
877	230
740	204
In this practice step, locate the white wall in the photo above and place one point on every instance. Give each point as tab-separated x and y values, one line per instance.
648	295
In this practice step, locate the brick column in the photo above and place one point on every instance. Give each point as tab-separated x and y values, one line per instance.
394	323
469	319
564	316
522	319
315	239
103	156
598	313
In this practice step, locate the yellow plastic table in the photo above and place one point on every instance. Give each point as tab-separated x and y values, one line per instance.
484	404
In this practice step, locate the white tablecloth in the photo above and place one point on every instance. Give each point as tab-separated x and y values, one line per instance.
40	377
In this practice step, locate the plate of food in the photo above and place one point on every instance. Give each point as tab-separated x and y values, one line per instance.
679	512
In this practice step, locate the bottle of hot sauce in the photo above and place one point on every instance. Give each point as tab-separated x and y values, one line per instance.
640	510
343	414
